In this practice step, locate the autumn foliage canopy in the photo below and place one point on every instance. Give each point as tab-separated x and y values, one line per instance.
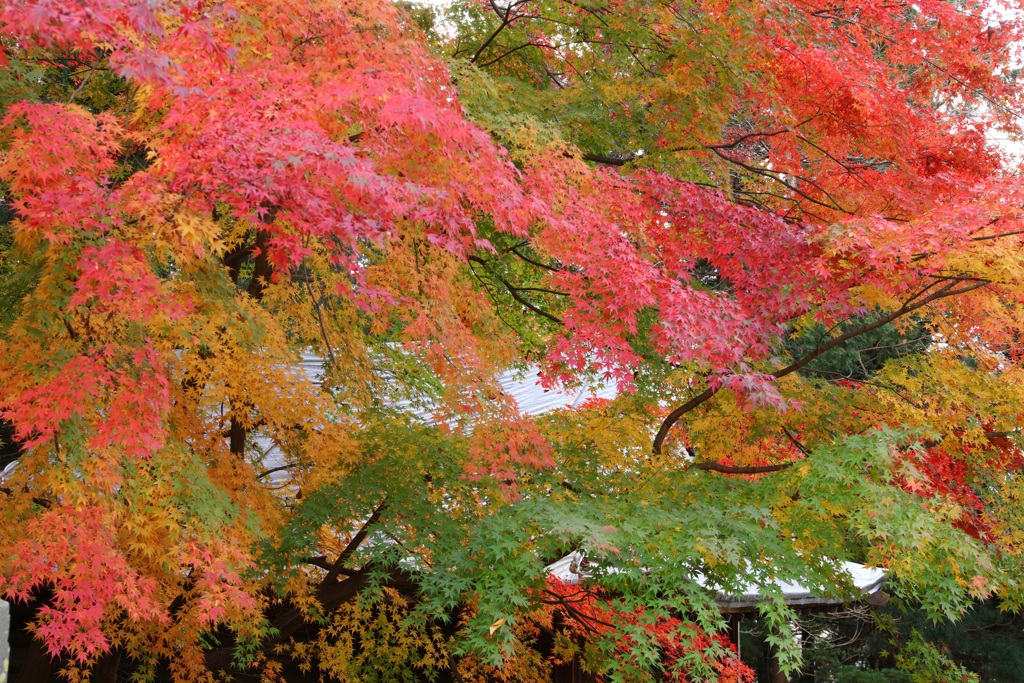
782	229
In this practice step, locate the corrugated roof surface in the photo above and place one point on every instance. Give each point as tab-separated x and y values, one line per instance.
533	399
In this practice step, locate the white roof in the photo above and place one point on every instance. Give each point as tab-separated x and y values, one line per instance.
868	580
533	399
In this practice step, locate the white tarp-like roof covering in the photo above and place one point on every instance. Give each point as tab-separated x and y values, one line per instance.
570	569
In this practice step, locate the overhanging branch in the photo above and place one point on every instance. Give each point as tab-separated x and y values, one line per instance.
354	544
736	469
947	290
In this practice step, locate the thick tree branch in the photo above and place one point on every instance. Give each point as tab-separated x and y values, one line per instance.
85	81
262	270
354	544
715	466
41	502
261	266
234	259
985	238
988	435
513	50
330	596
609	161
942	293
272	470
619	160
319	561
539	311
292	619
542	290
796	442
674	416
730	469
776	176
741	139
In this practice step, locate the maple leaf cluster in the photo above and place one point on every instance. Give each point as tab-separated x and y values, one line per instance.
780	230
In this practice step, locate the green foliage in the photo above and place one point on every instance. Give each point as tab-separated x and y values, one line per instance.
927	664
852	674
987	640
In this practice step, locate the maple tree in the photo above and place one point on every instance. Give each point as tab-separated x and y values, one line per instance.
780	227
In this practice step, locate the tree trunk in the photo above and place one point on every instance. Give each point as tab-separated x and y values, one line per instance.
37	666
775	674
105	670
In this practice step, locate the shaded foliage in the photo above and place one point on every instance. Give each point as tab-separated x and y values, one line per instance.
695	202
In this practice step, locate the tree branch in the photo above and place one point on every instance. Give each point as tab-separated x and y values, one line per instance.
515	250
320	319
354	544
81	86
775	175
910	306
941	293
318	561
609	161
583	618
514	292
514	50
799	446
730	469
272	470
743	138
506	21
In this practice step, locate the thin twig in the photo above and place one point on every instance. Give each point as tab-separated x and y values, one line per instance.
92	68
323	326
